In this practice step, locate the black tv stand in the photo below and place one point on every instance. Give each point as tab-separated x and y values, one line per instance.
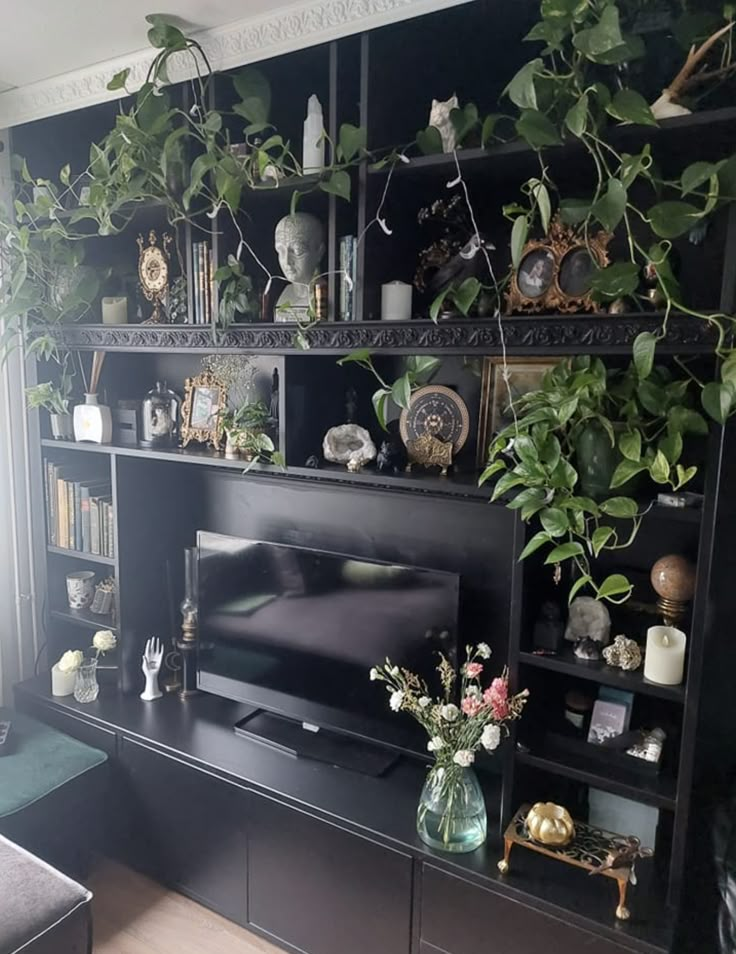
292	738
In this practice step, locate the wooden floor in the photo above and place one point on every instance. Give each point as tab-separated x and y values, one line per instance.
133	915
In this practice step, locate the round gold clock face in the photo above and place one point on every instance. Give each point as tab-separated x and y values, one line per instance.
153	270
439	412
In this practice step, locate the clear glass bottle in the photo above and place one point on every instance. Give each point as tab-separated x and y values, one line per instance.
452	811
160	417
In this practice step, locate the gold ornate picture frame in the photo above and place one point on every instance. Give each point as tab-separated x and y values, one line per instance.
205	399
554	272
524	375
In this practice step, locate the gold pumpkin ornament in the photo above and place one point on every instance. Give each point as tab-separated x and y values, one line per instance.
550	824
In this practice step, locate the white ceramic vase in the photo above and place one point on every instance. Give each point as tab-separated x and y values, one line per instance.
92	421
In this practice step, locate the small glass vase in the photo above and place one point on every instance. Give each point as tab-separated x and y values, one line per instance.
452	812
86	687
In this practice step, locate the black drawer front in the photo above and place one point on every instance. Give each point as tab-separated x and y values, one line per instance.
323	890
460	918
185	826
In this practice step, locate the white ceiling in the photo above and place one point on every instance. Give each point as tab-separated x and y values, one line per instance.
41	39
59	55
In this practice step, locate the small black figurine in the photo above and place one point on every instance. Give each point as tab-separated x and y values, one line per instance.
312	461
392	457
549	628
273	412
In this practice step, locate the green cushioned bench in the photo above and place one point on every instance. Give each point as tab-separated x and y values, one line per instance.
49	787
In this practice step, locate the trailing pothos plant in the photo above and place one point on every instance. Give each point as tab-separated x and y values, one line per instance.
418	371
643	412
574	90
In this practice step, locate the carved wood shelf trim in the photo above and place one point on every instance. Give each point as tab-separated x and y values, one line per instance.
522	335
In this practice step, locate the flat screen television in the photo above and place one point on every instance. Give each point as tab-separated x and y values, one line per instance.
295	631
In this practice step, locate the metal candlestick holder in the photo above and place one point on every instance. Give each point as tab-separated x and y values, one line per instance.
187	644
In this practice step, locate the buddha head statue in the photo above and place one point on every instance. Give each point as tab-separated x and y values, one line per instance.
300	245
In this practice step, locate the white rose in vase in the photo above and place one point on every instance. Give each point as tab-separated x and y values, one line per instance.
70	661
104	641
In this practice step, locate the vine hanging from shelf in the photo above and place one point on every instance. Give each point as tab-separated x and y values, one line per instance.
573	91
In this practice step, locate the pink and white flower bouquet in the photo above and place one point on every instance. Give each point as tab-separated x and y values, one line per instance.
457	725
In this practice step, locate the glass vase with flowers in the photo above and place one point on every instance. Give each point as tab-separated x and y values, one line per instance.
452	814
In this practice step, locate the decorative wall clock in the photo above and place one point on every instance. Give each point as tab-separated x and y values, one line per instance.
153	272
434	427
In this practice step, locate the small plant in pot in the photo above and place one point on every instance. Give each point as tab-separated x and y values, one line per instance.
55	399
245	431
570	458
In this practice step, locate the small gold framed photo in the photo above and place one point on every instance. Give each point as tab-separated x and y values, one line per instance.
205	399
496	394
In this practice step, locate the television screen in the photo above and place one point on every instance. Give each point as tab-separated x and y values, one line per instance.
296	631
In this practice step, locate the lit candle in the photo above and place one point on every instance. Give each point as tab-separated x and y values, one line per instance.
664	662
396	301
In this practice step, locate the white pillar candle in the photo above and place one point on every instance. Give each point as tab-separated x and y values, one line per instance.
396	301
62	683
664	662
115	311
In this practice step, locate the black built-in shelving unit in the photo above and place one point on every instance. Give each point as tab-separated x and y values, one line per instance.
161	497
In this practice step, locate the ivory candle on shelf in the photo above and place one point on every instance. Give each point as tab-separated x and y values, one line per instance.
664	662
62	683
396	301
115	311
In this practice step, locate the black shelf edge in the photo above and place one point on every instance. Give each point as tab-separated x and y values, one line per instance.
81	555
659	791
517	149
83	618
567	663
457	485
522	334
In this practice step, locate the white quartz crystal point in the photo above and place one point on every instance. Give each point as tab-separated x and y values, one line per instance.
313	145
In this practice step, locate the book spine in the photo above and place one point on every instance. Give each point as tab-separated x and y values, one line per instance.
70	512
103	528
110	532
207	279
201	282
353	275
77	515
50	502
94	525
61	498
343	284
195	282
84	508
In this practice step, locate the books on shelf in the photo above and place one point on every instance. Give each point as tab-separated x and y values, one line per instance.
348	273
203	284
79	511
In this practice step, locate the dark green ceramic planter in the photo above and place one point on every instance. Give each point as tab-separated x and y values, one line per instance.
596	460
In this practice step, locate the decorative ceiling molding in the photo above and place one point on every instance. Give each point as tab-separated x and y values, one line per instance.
249	40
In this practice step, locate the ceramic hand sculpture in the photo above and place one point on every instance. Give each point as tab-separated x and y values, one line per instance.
300	245
151	666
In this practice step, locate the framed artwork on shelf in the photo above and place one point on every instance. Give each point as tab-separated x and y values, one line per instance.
555	272
205	399
496	394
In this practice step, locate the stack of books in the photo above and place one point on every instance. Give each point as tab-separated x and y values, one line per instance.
203	284
79	511
347	277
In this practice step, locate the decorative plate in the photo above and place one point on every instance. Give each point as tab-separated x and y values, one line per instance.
439	412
